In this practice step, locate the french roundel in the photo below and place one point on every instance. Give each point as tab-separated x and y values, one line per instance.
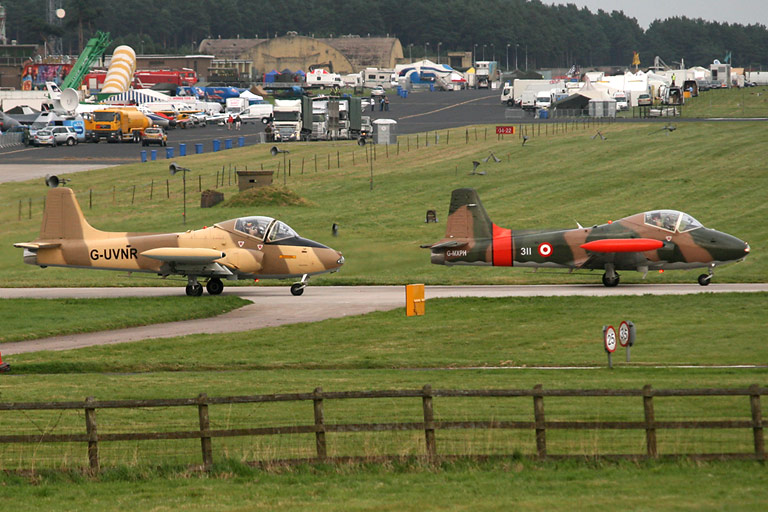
545	250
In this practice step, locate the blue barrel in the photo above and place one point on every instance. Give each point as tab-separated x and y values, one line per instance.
153	154
143	155
216	145
543	114
241	141
169	152
198	149
182	149
227	143
405	93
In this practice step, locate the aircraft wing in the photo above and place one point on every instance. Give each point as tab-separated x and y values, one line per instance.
628	251
443	245
32	246
189	260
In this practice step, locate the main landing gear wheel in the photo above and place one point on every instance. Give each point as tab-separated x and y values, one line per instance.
610	282
194	290
704	279
297	288
214	286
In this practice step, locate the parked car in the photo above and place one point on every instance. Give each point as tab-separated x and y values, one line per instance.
644	100
64	135
43	137
154	135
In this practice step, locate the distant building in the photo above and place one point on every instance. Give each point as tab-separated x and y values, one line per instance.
346	54
12	59
197	63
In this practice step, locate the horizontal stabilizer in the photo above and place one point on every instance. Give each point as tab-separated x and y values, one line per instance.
35	246
623	245
183	255
443	245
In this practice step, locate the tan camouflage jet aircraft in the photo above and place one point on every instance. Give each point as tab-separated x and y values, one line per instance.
244	248
654	240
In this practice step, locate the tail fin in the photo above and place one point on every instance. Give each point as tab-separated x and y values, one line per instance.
63	218
467	218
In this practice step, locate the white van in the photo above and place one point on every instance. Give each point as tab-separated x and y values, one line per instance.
543	99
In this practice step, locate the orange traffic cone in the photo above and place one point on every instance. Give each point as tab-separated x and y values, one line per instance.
4	367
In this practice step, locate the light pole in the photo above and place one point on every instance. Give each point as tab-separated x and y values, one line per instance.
493	51
508	56
410	52
174	169
526	57
516	47
438	51
484	51
474	54
425	50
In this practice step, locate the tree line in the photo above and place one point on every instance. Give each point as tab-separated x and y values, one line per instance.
504	30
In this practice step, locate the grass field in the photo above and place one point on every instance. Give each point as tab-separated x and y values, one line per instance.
744	102
55	317
711	171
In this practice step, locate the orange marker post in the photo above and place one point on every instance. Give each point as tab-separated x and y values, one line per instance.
4	367
414	300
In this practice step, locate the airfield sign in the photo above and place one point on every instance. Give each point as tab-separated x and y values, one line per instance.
505	130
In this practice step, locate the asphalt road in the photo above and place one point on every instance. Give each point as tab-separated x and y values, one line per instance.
273	306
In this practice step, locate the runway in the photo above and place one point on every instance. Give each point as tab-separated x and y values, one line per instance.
274	306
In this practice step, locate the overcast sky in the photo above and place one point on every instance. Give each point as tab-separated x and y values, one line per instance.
645	11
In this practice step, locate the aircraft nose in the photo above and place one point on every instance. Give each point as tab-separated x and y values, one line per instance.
730	248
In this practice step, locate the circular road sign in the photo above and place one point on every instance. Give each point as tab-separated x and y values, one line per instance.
624	334
609	337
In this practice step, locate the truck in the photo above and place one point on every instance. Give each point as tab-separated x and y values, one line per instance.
331	118
486	71
322	78
125	124
287	120
235	106
386	78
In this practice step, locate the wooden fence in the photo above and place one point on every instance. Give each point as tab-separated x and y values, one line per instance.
540	425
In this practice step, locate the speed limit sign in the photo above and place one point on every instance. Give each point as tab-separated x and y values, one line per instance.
609	337
624	334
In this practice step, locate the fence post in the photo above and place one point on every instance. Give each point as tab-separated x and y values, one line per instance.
538	415
429	418
205	425
93	437
650	419
319	424
757	421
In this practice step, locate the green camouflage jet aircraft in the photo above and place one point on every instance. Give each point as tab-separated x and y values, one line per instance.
654	240
244	248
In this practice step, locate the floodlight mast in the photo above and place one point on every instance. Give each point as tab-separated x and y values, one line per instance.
183	170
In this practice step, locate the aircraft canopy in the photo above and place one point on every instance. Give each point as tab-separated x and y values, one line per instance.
671	220
265	228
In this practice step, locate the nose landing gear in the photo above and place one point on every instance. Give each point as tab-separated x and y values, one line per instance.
298	288
705	279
